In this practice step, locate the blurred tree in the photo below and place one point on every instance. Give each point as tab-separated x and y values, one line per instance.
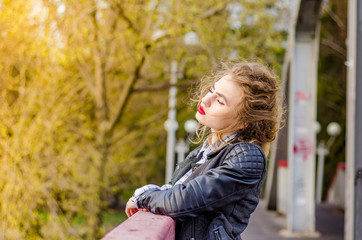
37	108
332	81
84	106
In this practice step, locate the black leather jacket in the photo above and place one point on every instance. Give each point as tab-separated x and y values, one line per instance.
216	201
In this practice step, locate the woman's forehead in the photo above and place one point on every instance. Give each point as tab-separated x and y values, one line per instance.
227	87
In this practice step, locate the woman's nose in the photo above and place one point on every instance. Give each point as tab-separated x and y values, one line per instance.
207	100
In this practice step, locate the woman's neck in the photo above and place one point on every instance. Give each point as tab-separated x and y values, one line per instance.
214	138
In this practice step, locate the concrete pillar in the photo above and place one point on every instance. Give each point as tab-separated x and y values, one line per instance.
303	48
279	151
301	154
353	214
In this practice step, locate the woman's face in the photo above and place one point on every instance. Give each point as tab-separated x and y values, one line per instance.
217	108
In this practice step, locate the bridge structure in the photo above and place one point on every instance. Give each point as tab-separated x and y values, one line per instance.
299	88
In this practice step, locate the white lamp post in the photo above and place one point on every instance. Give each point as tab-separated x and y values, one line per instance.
191	39
190	126
333	129
182	146
171	125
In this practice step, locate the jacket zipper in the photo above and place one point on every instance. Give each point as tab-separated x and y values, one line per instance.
193	229
217	235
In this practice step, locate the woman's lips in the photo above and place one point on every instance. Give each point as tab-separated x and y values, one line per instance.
201	110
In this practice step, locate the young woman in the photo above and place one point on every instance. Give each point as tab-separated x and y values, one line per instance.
216	188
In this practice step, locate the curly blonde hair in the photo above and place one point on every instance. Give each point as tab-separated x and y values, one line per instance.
258	110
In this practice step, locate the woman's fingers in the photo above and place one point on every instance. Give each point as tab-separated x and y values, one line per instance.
131	208
128	212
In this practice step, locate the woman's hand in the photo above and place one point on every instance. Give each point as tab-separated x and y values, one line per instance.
131	208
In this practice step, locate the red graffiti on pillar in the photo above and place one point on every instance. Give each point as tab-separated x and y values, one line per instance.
299	95
303	147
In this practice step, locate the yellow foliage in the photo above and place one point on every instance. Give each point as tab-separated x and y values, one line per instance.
71	135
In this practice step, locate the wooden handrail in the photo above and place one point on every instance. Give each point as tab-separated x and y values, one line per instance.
142	226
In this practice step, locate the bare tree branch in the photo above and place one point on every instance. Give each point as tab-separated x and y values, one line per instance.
122	134
88	78
124	97
213	11
110	48
123	15
207	14
334	16
99	75
164	86
334	46
148	26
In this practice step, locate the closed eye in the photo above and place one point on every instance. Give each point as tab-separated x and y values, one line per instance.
212	90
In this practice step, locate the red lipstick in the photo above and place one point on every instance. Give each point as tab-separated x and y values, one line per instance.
201	110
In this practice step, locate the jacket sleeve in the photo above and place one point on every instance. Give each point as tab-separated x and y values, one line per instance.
239	174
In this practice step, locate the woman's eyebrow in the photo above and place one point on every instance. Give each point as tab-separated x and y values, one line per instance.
220	94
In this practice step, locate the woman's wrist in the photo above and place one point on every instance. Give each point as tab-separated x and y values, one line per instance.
133	199
140	191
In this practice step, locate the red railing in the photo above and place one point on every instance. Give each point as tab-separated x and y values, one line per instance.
142	226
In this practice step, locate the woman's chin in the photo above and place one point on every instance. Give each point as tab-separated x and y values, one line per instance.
199	117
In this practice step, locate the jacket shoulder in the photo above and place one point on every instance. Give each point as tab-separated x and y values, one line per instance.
248	156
